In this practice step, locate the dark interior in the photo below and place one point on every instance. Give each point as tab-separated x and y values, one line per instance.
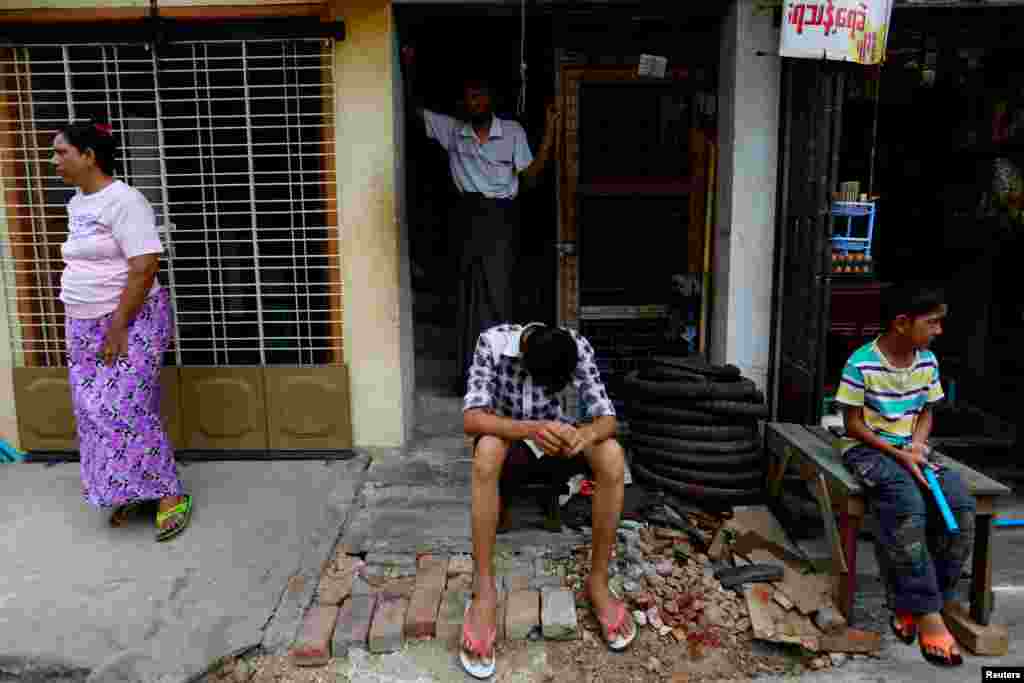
948	74
633	159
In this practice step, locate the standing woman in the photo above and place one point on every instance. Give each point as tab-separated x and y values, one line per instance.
119	324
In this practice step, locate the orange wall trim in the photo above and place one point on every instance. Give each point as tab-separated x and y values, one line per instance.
211	12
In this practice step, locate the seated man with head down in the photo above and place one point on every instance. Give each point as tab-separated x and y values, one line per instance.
512	403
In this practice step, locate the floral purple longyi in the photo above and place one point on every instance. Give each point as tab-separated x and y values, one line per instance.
126	455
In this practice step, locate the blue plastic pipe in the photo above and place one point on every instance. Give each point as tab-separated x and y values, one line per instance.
940	500
1007	522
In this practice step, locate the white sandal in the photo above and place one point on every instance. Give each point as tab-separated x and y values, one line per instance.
476	666
624	617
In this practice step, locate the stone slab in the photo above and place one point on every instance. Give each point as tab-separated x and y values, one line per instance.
558	615
354	621
388	628
522	615
992	640
460	564
313	646
421	617
451	616
336	581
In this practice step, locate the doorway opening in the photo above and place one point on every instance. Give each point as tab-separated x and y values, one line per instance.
488	44
615	236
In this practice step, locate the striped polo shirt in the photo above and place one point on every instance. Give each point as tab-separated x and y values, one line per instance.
892	398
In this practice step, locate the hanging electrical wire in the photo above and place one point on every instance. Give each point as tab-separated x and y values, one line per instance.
521	103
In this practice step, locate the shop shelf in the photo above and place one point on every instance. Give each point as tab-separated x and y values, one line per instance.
848	237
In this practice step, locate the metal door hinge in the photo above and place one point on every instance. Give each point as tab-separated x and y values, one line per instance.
565	248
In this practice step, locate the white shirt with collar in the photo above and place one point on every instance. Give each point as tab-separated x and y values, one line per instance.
492	168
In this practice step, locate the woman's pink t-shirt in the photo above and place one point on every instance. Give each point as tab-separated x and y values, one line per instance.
105	229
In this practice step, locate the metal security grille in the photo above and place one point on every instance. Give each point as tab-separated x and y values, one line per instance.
233	144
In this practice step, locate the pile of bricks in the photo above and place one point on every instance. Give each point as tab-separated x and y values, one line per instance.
670	586
380	602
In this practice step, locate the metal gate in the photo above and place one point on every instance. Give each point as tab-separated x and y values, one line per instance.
812	119
233	144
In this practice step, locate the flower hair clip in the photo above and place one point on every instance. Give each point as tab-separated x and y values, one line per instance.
104	128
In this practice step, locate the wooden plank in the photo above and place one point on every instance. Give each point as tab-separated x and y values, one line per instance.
849	528
822	433
172	9
826	452
698	171
778	435
759	520
29	290
782	601
820	490
977	483
778	473
770	622
808	471
717	549
709	219
971	442
992	640
981	570
329	165
851	640
853	505
567	178
807	592
985	505
47	15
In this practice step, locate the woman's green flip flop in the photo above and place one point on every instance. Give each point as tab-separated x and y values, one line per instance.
123	513
182	512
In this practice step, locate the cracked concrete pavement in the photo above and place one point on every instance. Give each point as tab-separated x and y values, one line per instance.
80	601
79	596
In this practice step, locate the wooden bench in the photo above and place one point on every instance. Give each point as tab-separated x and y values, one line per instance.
812	451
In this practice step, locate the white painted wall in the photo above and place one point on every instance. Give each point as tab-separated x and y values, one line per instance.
744	238
377	317
406	331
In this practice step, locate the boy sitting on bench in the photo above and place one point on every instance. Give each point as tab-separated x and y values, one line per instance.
887	390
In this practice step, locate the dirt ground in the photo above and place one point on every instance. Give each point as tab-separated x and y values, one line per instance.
661	658
651	659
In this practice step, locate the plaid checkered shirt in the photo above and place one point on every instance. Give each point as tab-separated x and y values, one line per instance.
498	381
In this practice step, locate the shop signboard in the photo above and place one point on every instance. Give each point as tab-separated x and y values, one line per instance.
839	30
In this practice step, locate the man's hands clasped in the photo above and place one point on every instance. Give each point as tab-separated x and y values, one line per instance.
562	440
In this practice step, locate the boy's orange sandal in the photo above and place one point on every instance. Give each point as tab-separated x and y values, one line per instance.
904	627
943	642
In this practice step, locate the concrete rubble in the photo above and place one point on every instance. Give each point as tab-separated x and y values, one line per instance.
669	584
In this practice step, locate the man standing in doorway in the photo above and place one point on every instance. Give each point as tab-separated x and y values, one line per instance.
490	161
